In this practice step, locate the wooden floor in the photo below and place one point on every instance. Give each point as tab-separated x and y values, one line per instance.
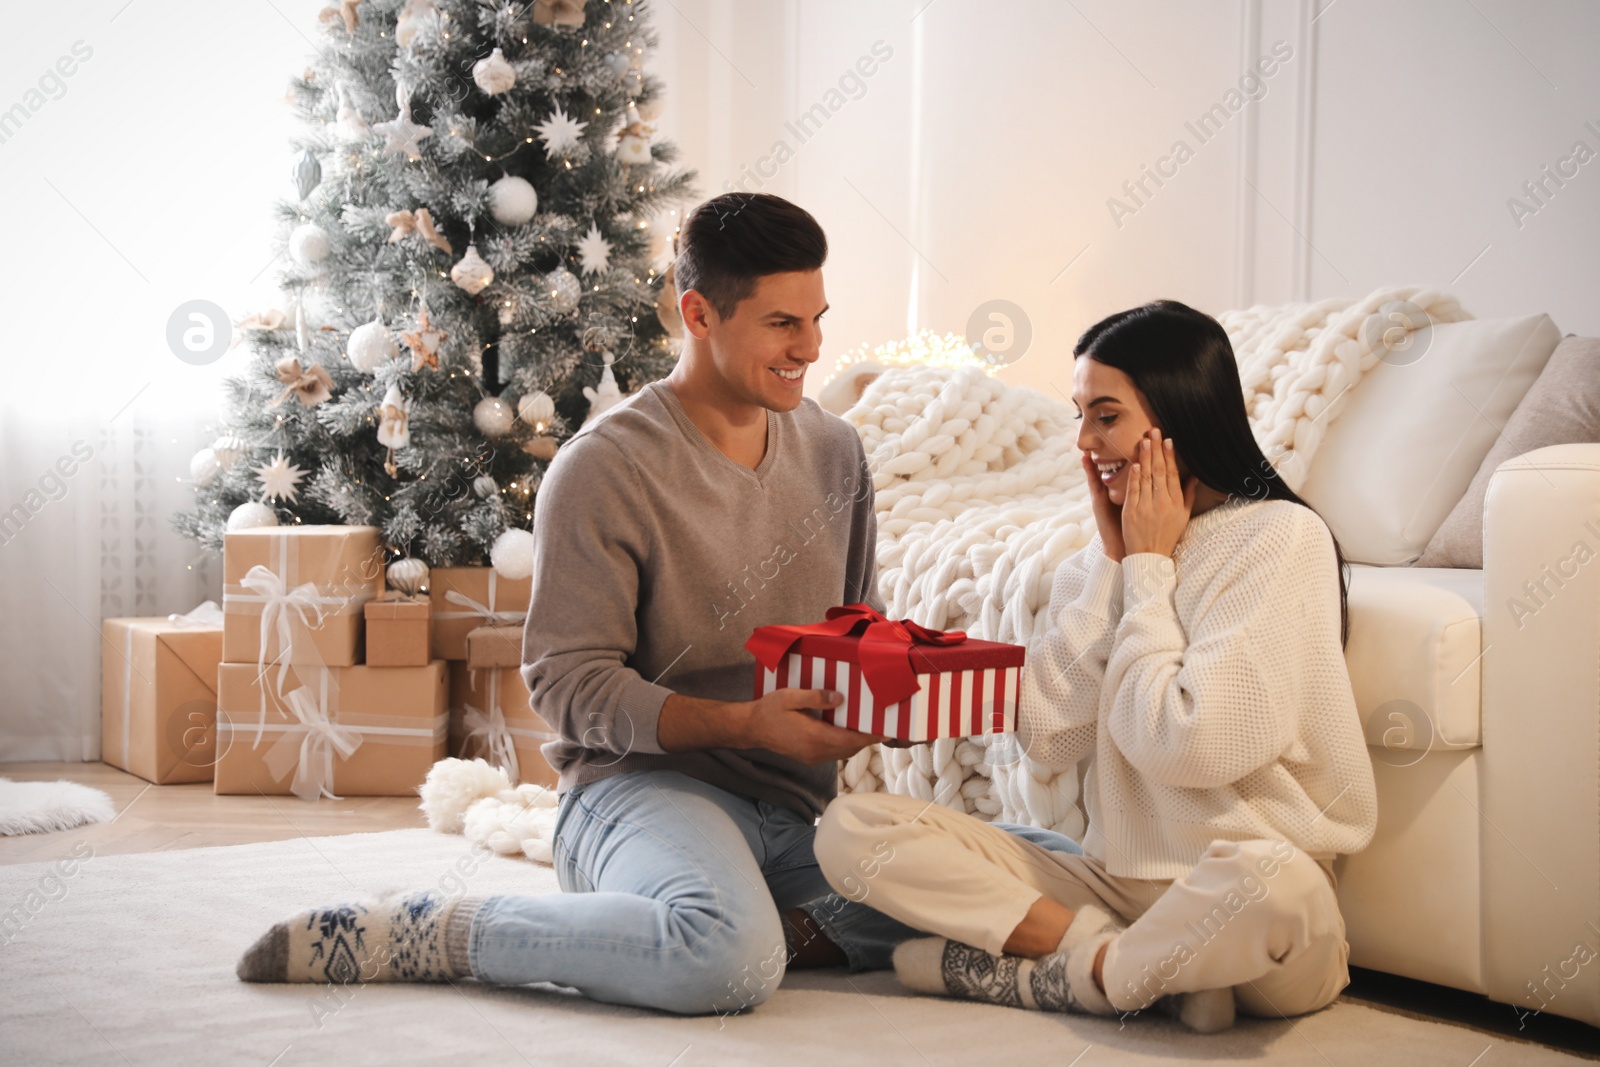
160	818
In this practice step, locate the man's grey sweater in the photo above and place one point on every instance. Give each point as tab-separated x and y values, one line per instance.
655	556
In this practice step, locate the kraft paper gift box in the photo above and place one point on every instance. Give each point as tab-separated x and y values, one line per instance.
491	717
494	646
465	598
899	679
295	594
333	731
158	708
397	632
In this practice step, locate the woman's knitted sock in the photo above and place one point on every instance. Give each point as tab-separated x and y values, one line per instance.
1061	981
409	937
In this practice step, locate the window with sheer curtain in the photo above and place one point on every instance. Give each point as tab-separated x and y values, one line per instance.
140	174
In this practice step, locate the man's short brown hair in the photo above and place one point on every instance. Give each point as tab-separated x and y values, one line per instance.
730	241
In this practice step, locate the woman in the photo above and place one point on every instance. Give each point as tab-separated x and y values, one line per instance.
1194	651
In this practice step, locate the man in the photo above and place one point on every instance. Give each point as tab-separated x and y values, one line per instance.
705	505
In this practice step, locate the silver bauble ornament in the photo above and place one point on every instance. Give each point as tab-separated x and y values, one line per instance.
472	274
493	417
537	410
493	74
512	201
250	515
307	174
485	486
408	576
228	448
371	345
564	289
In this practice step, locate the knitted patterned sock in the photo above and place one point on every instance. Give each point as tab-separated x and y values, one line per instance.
1061	981
410	937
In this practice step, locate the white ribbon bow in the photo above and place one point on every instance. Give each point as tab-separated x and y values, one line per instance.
496	737
490	616
313	774
280	607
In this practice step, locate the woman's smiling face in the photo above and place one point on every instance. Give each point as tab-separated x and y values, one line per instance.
1113	418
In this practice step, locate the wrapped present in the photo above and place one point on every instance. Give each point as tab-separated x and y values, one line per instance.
158	709
494	646
330	731
491	716
295	594
465	598
397	632
899	679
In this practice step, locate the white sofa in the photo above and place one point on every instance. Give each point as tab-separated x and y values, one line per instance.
1480	691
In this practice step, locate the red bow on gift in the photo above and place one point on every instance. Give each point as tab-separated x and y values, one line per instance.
886	646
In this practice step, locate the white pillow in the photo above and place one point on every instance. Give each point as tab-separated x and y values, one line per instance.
1407	439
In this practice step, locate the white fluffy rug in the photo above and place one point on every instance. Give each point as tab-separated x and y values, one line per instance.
39	807
129	959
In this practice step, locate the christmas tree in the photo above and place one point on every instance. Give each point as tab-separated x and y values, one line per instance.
472	272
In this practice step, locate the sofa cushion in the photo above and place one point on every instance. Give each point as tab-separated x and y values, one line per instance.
1414	430
1562	408
1416	642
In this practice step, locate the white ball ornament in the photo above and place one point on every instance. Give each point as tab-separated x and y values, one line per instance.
564	289
493	417
205	466
512	555
251	515
309	244
493	74
512	201
371	345
408	576
485	486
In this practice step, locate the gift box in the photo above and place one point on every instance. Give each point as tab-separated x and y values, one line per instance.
494	646
899	679
330	731
158	709
397	632
465	598
491	716
295	594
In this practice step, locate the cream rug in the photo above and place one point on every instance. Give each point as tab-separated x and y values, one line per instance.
129	959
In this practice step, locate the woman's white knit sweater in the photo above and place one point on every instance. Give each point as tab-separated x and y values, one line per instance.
1210	688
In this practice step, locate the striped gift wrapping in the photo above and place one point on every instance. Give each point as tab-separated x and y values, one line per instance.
949	704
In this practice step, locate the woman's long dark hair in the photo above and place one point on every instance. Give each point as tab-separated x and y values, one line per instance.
1183	363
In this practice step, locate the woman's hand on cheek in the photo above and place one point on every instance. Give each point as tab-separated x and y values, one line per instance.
1158	504
1107	516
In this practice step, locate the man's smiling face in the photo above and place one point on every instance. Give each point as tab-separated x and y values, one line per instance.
774	332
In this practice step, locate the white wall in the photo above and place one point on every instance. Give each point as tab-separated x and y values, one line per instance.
979	161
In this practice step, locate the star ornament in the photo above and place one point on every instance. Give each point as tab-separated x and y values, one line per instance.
400	134
280	479
560	133
594	251
424	342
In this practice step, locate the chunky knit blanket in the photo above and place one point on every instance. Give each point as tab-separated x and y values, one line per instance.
980	496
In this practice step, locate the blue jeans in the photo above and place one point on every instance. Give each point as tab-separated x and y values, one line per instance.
673	890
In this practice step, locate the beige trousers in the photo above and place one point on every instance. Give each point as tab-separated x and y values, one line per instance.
1259	917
